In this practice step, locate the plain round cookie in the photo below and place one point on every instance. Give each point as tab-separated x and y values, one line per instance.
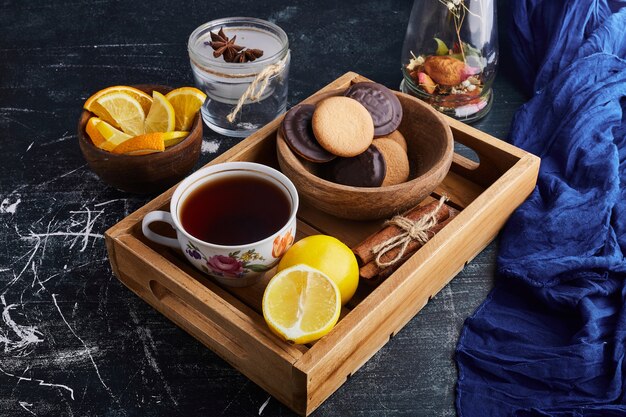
398	137
343	126
396	161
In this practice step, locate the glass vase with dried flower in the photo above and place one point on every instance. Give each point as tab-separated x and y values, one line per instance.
450	56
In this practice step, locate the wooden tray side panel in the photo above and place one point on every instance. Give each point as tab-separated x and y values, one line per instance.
388	308
237	334
300	377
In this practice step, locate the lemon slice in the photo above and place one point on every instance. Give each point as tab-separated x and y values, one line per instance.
187	102
124	110
112	136
301	304
142	144
161	115
95	136
144	99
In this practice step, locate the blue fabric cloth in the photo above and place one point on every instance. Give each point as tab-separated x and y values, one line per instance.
550	339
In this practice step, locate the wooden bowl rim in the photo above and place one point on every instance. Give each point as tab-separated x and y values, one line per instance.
83	137
296	163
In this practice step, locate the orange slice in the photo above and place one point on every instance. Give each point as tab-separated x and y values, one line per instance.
142	144
187	102
95	136
144	99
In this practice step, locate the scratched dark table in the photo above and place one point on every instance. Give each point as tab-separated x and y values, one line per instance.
73	340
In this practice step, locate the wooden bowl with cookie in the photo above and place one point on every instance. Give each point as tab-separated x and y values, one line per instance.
142	173
363	168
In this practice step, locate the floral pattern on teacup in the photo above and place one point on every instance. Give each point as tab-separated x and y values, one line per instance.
233	265
281	244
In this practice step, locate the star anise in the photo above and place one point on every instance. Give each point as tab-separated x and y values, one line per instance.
248	55
222	46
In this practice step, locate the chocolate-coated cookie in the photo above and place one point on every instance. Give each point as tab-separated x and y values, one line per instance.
381	103
396	161
298	133
367	169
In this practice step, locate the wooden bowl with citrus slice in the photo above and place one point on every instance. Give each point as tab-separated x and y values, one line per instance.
137	144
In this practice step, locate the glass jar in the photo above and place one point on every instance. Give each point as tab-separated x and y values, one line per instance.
225	80
450	56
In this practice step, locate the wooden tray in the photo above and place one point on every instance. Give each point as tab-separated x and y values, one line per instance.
229	320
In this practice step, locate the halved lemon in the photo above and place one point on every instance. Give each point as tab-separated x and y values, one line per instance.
141	145
95	136
143	98
329	255
161	117
301	304
112	136
124	110
187	102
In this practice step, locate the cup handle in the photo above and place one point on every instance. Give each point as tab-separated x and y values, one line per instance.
159	216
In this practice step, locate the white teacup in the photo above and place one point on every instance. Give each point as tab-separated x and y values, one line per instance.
238	265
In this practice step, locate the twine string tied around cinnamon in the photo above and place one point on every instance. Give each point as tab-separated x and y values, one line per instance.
411	230
257	87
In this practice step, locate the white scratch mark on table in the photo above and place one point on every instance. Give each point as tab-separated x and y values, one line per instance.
63	138
146	338
262	407
43	184
39	381
27	336
7	207
87	350
105	45
19	110
236	396
25	406
109	202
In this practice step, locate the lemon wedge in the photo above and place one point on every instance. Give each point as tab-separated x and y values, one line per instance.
301	304
187	102
161	115
174	138
112	136
124	110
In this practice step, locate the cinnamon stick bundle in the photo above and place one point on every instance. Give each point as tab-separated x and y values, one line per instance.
363	250
370	270
373	274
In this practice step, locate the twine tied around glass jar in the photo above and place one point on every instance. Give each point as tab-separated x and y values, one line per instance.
257	87
412	230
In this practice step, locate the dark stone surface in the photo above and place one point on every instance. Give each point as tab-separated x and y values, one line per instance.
73	340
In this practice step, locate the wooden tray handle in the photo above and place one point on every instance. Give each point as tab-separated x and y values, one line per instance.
493	161
204	326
